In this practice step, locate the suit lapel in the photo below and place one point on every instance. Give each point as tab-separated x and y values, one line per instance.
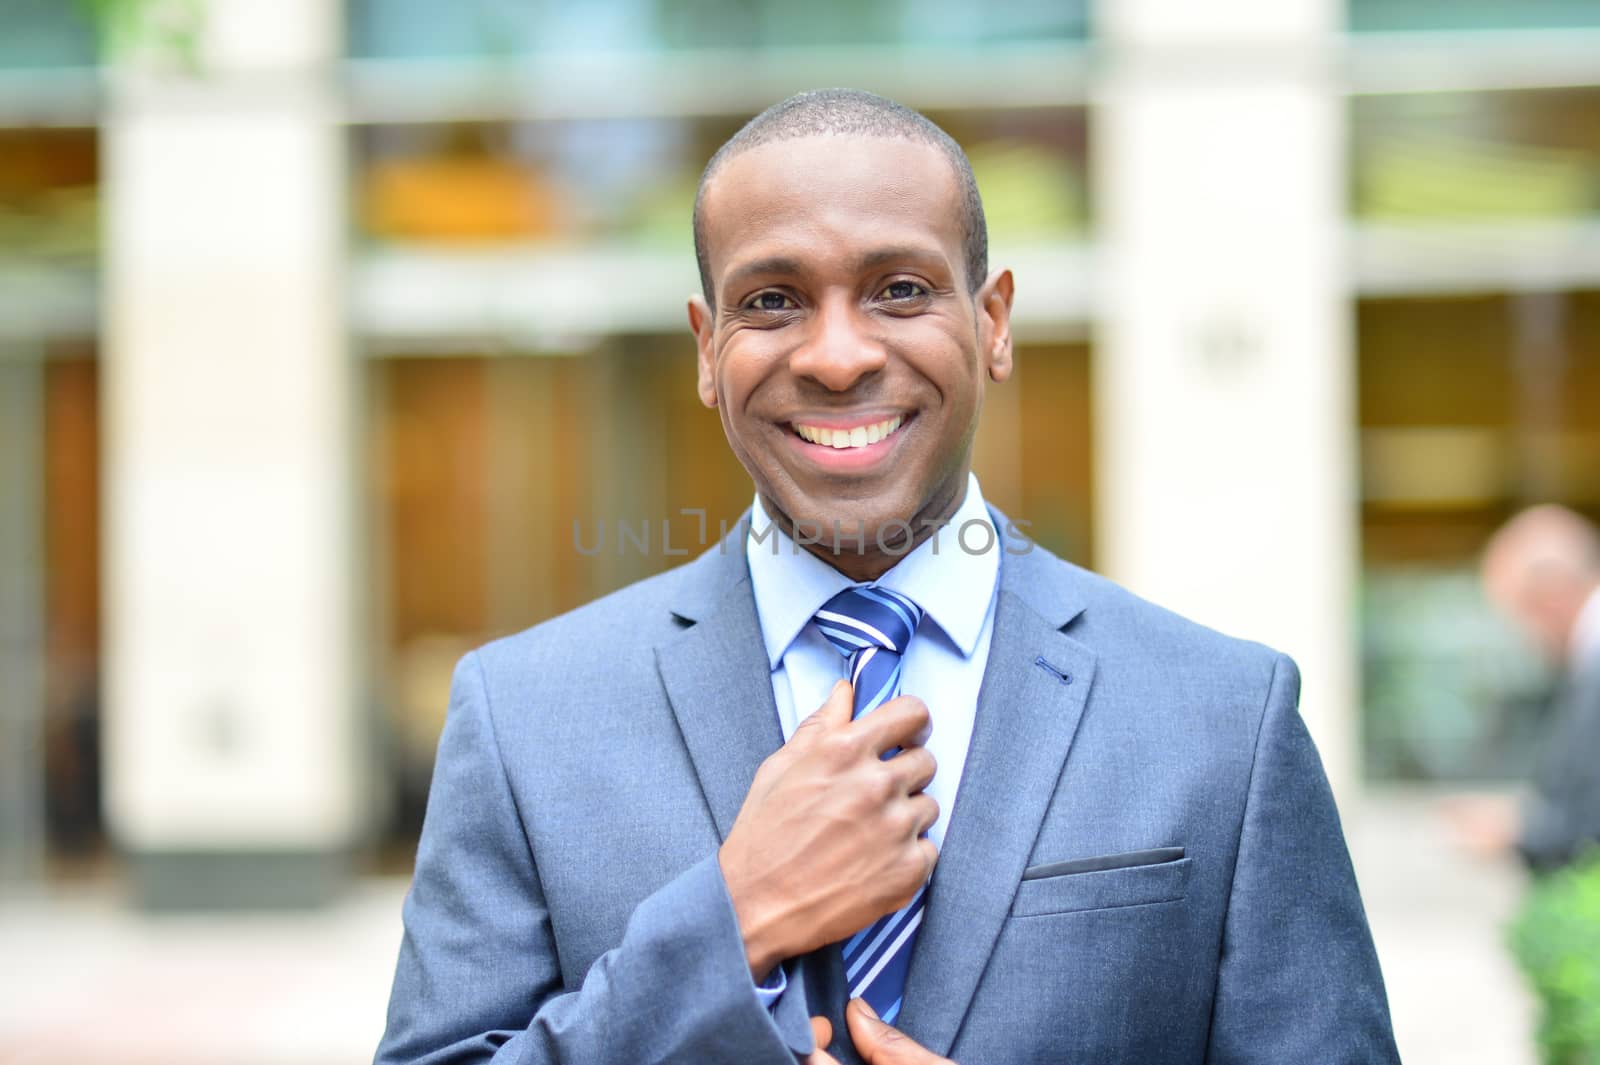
1027	715
717	679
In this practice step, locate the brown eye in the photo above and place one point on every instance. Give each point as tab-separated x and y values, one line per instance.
903	290
770	301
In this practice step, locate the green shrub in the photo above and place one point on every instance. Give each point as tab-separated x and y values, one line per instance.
1556	940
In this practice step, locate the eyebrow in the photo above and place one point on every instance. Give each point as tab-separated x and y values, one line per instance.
772	264
787	266
897	253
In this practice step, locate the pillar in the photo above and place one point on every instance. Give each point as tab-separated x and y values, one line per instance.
1225	421
233	747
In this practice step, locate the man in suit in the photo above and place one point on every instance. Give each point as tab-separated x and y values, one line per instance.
875	747
1542	571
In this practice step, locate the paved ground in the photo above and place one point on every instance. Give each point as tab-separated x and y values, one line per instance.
1437	918
84	981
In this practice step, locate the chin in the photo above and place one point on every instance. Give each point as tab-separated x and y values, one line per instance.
879	522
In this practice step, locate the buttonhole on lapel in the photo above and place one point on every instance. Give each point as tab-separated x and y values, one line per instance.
1064	678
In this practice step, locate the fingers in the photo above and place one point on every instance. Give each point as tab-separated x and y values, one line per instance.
902	722
881	1044
926	731
925	811
914	768
822	1032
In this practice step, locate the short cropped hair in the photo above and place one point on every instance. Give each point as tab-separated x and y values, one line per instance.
850	112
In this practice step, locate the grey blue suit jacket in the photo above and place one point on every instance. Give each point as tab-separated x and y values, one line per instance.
1143	864
1561	821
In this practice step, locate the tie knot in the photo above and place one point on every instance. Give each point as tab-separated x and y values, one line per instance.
865	616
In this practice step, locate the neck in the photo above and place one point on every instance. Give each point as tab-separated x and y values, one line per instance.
866	561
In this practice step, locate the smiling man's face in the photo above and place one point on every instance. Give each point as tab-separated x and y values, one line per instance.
846	352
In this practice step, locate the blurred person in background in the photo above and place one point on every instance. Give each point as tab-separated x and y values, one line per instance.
675	826
1542	571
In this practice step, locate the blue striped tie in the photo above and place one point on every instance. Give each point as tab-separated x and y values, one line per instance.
873	626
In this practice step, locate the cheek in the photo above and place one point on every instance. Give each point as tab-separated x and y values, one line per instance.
955	375
743	368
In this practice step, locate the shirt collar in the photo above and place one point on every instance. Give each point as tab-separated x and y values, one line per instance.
950	576
1585	646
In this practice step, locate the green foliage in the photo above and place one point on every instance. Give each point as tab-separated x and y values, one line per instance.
1556	939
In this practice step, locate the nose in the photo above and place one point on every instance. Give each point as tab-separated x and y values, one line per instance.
836	352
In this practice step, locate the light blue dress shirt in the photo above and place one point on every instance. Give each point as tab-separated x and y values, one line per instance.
952	576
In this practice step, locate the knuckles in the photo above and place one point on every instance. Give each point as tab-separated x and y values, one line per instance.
884	788
839	748
918	710
925	763
868	795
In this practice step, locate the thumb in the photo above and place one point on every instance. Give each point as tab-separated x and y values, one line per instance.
882	1044
836	711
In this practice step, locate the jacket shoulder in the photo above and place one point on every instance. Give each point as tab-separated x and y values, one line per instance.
601	633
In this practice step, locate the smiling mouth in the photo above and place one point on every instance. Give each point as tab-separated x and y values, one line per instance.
846	439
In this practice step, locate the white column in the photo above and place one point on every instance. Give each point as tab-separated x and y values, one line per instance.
1223	372
233	751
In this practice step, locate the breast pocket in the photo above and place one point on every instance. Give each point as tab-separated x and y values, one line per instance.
1136	878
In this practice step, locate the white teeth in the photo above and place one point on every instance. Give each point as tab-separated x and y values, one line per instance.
860	436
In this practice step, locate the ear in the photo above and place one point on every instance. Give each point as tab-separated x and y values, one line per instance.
700	323
994	324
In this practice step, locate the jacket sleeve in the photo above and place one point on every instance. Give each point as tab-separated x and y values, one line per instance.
479	979
1298	978
1562	816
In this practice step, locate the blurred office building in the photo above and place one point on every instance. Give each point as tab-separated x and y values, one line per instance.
321	326
335	338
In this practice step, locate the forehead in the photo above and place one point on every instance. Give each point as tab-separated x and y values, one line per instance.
817	197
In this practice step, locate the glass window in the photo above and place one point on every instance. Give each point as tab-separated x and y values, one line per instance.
46	33
633	180
49	536
1470	14
1476	156
509	28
